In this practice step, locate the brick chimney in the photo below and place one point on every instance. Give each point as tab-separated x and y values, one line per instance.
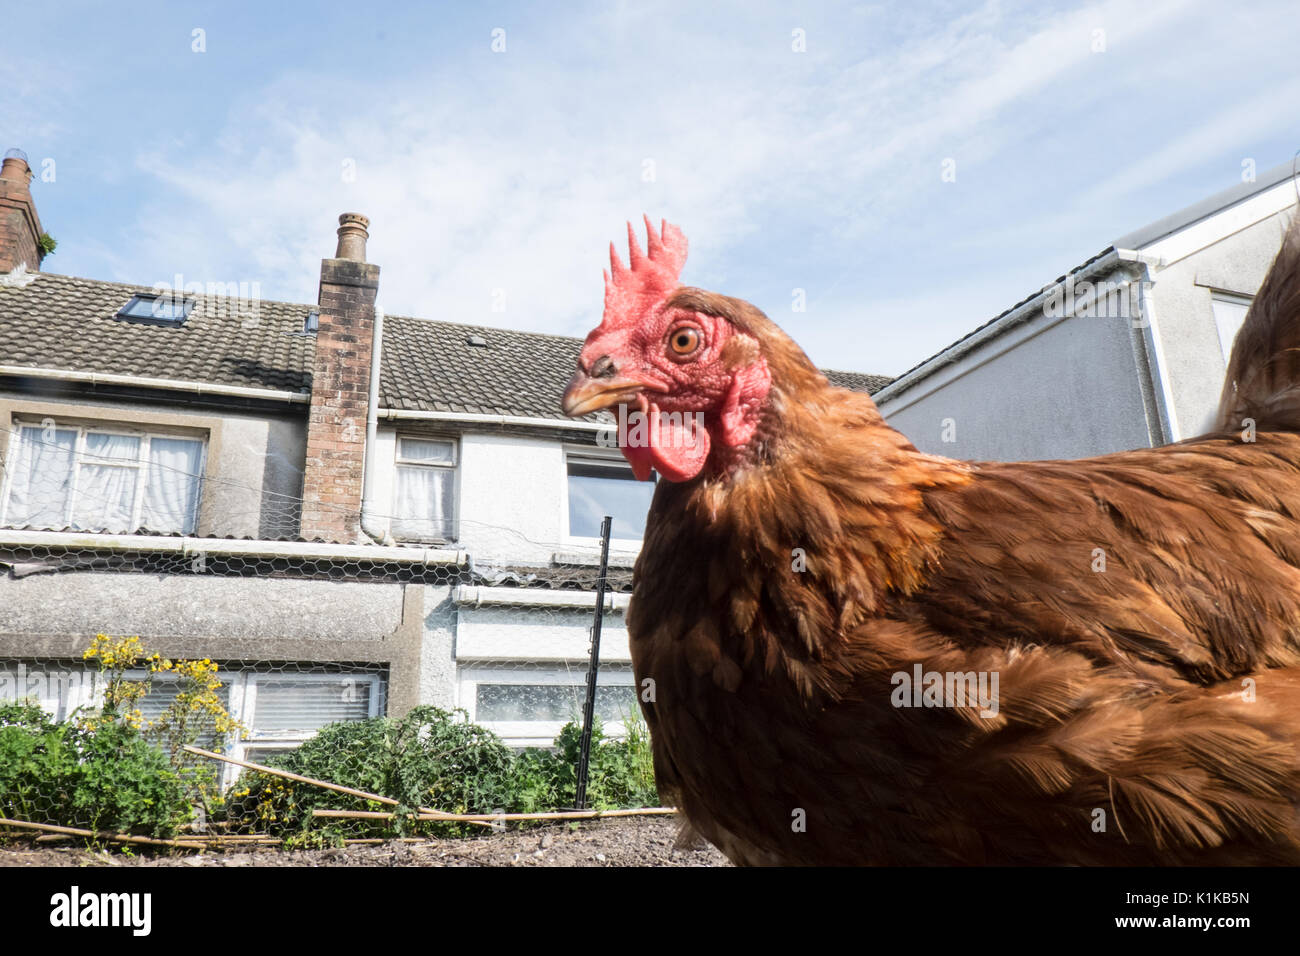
336	428
20	229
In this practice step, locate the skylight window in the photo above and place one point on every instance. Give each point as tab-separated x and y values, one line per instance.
156	309
312	322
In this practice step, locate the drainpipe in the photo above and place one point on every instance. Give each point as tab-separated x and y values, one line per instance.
377	533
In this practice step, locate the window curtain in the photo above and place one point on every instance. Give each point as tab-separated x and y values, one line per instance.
100	486
42	478
172	491
423	505
106	483
428	450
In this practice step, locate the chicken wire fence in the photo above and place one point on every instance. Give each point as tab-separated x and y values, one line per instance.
444	677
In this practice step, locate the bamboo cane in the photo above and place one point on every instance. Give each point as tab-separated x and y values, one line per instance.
389	801
100	834
489	817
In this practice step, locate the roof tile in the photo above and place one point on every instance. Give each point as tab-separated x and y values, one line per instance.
67	323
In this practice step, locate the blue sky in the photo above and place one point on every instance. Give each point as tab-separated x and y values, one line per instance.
494	180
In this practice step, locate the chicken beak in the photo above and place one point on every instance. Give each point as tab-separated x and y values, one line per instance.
586	394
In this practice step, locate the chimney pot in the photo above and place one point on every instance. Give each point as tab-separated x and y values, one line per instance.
15	168
353	233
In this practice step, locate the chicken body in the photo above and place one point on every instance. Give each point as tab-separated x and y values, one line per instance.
1145	713
858	653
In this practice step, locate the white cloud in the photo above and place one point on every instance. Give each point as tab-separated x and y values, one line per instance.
512	172
1234	127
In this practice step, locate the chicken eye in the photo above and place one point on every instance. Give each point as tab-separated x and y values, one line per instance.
684	341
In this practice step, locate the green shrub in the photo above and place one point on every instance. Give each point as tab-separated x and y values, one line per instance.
106	777
106	773
537	783
618	771
437	759
430	758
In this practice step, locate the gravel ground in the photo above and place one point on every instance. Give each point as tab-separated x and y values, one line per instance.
630	841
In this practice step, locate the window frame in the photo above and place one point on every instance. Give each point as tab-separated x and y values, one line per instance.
1227	298
140	464
80	686
243	708
452	521
596	456
533	733
88	687
248	701
187	306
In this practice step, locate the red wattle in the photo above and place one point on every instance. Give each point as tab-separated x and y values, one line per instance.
677	448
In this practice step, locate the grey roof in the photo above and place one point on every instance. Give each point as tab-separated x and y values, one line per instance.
60	322
1205	208
857	381
430	366
66	323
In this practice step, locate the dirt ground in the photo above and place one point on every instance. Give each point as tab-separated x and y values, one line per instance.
630	841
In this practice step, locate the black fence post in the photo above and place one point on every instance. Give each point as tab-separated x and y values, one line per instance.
589	709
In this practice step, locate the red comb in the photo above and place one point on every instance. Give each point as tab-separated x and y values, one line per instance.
648	277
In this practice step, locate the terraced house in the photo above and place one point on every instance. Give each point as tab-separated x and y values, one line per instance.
353	513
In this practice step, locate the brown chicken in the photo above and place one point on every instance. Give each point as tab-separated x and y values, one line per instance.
851	652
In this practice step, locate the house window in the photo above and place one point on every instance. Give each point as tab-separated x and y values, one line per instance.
425	500
57	687
279	710
528	705
164	689
1229	314
282	711
159	309
606	486
102	479
550	702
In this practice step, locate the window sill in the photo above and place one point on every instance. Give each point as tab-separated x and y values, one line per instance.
582	557
425	542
